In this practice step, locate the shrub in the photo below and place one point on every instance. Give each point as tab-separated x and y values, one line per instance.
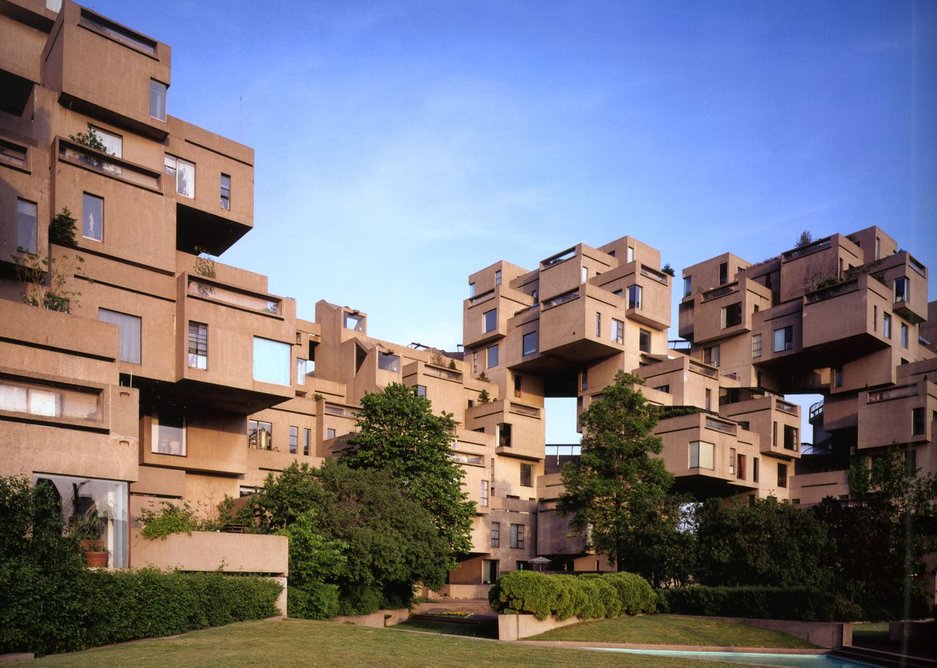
170	518
564	596
799	603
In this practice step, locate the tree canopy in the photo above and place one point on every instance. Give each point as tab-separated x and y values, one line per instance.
399	433
617	491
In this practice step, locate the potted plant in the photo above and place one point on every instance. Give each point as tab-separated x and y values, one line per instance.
88	527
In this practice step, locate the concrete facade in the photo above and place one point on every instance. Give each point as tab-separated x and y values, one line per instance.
163	374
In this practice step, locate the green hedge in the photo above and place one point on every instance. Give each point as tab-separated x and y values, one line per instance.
798	603
565	596
85	608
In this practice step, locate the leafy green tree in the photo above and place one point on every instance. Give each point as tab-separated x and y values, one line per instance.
617	491
883	534
805	239
399	433
747	541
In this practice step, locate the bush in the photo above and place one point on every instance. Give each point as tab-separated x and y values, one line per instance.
798	603
565	596
170	518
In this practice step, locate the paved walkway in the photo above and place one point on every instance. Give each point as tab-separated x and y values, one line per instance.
478	608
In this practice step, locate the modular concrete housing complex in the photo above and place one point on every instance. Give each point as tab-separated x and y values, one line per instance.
150	371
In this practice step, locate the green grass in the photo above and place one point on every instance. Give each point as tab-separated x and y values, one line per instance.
873	631
674	630
307	643
449	628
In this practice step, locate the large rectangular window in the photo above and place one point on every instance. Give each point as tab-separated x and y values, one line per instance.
917	421
687	286
27	239
782	475
483	495
702	455
783	339
492	356
25	396
157	99
634	296
886	325
504	435
271	361
904	335
259	435
496	534
294	440
791	440
130	328
732	315
644	341
167	435
618	331
183	172
756	345
527	471
198	345
490	321
723	273
902	289
388	362
529	343
711	355
92	217
517	536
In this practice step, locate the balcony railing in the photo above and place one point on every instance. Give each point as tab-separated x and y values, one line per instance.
833	291
815	247
722	291
243	300
447	374
892	393
483	297
917	266
333	409
562	256
561	299
723	427
523	409
467	459
653	274
108	165
786	407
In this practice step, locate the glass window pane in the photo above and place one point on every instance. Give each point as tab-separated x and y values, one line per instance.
130	327
26	237
157	100
271	361
92	217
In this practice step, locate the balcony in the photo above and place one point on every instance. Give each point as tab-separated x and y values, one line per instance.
568	324
107	165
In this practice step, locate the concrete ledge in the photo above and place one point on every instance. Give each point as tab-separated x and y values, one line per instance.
514	627
832	635
376	620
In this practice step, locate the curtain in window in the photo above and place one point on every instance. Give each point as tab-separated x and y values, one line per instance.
130	326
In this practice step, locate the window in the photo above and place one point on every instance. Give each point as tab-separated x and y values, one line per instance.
498	277
421	391
687	286
114	31
225	192
304	368
904	335
529	343
492	357
517	385
330	433
902	289
644	341
271	361
198	345
294	440
782	475
874	318
354	321
732	315
483	496
886	325
618	331
709	399
13	154
740	467
584	274
388	362
783	338
663	388
474	362
598	324
755	469
259	435
183	172
723	273
917	421
495	533
791	440
129	327
471	289
774	434
307	441
702	455
113	144
630	254
517	536
711	355
490	321
157	100
49	400
27	239
634	296
92	217
584	379
756	345
526	475
838	376
732	457
504	435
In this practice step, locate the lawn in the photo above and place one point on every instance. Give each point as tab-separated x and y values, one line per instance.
306	643
674	630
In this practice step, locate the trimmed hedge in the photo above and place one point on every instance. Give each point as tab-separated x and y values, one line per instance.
565	596
88	608
797	603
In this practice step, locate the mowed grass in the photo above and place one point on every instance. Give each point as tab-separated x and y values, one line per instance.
674	630
307	643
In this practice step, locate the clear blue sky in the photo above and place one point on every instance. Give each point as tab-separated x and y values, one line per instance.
402	145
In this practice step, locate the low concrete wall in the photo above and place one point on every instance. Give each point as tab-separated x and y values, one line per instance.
462	591
376	620
515	627
831	635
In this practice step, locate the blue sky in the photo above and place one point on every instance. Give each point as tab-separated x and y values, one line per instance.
402	145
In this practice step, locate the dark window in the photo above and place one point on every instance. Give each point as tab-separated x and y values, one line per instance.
259	435
783	338
526	475
504	435
529	343
782	475
723	273
490	321
517	385
644	341
225	192
307	441
732	315
790	438
917	421
755	467
496	534
517	536
294	440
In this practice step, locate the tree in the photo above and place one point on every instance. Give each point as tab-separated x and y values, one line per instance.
883	534
617	491
398	433
805	239
748	541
